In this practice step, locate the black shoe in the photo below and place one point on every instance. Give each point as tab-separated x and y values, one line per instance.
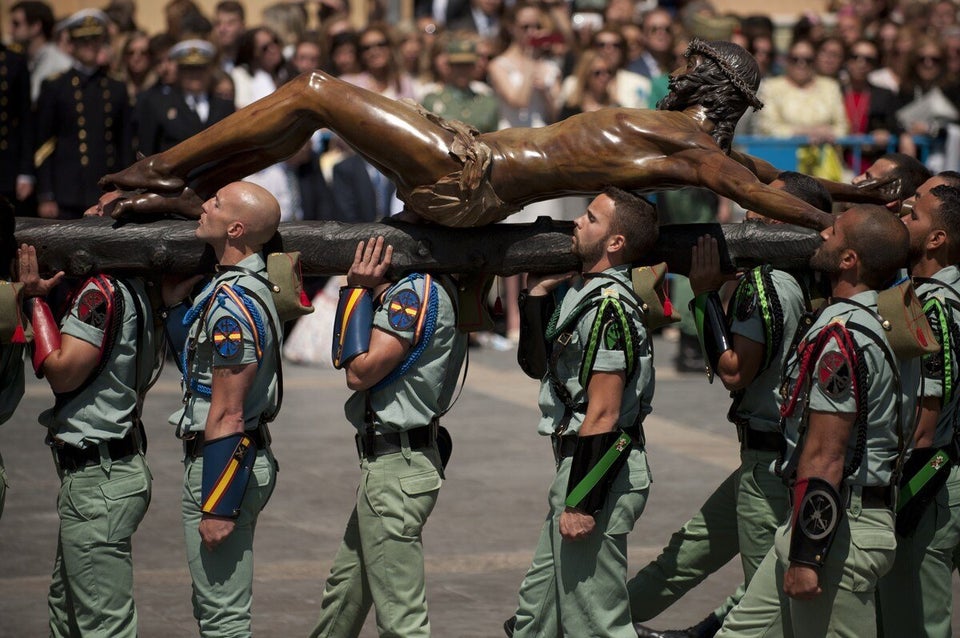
706	628
508	626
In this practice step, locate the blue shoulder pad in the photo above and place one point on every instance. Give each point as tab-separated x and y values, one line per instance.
227	464
352	324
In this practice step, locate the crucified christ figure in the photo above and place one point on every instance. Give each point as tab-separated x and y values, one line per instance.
452	175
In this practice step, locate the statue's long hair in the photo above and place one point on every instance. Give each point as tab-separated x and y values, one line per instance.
724	84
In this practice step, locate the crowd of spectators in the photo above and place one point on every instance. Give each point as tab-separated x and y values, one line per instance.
888	69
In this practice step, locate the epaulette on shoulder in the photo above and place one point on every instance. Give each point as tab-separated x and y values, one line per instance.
16	48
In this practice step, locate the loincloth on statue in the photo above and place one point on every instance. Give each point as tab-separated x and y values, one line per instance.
464	197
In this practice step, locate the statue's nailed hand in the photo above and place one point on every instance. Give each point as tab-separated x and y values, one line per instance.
887	189
145	207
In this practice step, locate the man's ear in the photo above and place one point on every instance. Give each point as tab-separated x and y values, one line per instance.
235	229
848	258
936	239
616	243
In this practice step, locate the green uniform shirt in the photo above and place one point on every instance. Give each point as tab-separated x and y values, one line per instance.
638	391
752	306
480	111
226	337
104	409
830	389
11	378
425	390
940	368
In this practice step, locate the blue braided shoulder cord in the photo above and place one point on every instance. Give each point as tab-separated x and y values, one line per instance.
429	328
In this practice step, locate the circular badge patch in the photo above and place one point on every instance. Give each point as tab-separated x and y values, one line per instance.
403	310
818	514
833	376
92	309
228	338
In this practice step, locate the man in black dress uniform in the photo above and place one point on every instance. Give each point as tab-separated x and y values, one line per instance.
168	118
83	124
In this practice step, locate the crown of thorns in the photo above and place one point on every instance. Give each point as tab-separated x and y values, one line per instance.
699	46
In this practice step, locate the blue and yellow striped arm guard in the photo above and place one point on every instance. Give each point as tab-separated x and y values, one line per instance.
712	328
227	464
597	461
352	325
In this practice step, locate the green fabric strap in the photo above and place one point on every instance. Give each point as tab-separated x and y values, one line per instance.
946	346
611	321
594	475
922	477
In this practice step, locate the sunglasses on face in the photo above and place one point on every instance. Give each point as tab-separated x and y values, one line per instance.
379	44
657	28
599	73
929	59
862	57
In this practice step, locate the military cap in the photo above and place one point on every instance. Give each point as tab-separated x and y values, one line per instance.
461	52
86	23
193	53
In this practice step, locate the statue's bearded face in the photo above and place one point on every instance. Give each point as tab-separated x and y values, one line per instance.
683	84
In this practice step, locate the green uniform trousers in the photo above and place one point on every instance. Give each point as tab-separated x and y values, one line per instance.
380	560
916	597
742	515
862	552
100	507
223	578
578	588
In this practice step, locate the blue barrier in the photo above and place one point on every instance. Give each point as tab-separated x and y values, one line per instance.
782	151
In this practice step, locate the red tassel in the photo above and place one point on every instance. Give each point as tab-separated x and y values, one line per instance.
303	299
667	307
18	336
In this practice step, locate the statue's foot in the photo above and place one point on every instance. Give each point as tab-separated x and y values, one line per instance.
142	175
151	206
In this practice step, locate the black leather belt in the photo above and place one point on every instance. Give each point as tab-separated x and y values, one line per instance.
762	441
565	446
374	444
876	497
193	447
71	458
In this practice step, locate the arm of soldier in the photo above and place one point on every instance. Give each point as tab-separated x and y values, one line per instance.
70	364
385	351
824	451
728	178
927	424
229	390
604	396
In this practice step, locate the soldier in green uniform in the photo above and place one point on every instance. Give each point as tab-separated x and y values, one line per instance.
402	353
844	399
595	362
228	346
746	349
458	99
915	597
99	363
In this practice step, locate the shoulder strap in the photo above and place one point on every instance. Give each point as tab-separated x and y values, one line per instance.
278	363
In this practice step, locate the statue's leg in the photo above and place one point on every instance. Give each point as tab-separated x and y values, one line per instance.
392	135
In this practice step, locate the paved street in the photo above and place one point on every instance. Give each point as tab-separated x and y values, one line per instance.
478	541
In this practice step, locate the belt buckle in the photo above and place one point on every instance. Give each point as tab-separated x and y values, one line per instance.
564	338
